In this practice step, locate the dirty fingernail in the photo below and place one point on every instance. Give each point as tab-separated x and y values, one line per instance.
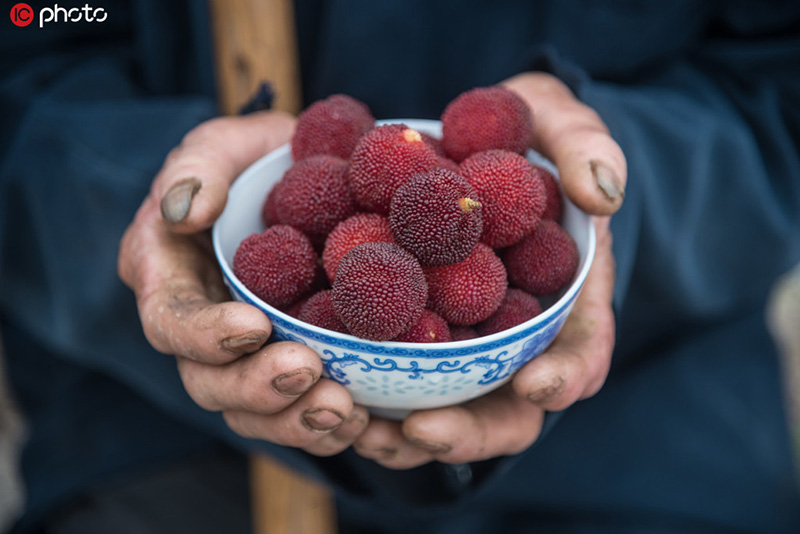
548	390
321	420
176	202
249	342
607	181
293	384
431	446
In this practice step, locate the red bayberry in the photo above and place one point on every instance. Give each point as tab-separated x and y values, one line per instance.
331	126
554	206
383	160
462	333
437	217
544	262
430	328
314	196
358	229
469	291
483	119
516	308
512	195
318	310
380	291
278	265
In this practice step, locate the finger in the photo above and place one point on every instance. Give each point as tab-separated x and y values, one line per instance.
496	424
383	442
320	411
192	186
575	366
265	382
342	437
590	163
179	293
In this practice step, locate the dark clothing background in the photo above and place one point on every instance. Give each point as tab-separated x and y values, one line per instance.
689	433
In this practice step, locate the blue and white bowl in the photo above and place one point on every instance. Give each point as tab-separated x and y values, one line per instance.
393	378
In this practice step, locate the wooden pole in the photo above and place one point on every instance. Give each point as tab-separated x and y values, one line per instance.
254	42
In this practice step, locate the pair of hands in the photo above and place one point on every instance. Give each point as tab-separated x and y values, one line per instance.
275	392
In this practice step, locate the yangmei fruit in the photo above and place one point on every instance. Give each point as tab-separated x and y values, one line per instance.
516	308
511	191
437	217
544	261
332	126
430	328
318	310
469	291
358	229
314	196
383	160
278	265
379	291
483	119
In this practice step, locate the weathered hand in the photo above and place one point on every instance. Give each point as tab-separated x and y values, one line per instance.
507	421
272	392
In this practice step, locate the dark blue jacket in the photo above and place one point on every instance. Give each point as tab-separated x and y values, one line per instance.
688	434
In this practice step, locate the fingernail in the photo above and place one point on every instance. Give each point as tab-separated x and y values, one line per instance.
321	420
548	390
607	181
431	446
293	384
176	202
249	342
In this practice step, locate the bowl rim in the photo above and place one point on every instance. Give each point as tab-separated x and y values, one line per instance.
424	125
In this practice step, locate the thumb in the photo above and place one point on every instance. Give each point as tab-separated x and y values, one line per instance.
192	186
572	135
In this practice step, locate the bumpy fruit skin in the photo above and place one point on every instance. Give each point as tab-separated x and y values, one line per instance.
314	196
318	310
462	333
358	229
486	118
383	160
544	262
467	292
437	217
380	291
434	142
511	191
554	206
516	308
332	126
430	328
278	265
268	213
449	164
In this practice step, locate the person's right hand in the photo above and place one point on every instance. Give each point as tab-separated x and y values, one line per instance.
272	392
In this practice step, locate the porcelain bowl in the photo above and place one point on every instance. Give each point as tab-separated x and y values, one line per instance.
393	378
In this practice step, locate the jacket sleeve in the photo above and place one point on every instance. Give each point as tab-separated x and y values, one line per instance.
712	210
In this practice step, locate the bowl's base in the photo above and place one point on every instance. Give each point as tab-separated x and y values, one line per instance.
396	414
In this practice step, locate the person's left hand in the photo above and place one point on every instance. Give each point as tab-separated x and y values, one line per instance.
507	421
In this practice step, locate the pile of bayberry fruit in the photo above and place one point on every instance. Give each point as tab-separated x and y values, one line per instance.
387	233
